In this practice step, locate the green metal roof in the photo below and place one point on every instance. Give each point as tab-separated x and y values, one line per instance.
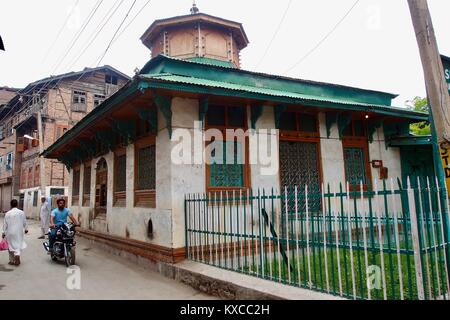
199	69
266	93
212	62
202	77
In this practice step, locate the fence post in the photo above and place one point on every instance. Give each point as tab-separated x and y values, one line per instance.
416	241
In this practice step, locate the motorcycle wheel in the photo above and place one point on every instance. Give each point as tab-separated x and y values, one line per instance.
70	257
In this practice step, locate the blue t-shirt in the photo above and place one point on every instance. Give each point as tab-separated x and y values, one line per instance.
60	217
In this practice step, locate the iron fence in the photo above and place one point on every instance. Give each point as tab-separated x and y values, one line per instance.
377	243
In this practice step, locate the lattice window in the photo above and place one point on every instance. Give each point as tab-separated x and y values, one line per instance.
76	182
120	173
87	180
87	186
355	166
146	168
299	167
223	173
227	173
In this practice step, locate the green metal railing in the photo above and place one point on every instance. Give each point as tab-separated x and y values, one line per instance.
382	243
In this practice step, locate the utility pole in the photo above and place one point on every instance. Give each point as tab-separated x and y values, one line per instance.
439	103
42	170
437	90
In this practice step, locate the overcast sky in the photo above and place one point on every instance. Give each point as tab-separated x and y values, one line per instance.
373	48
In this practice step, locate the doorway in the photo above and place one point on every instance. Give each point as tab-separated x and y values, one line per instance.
101	188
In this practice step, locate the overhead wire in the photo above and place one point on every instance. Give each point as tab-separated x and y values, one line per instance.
322	40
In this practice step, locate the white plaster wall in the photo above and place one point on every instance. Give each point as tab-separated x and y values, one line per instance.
174	181
185	178
259	178
332	153
28	208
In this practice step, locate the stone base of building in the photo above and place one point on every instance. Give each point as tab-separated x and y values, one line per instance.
216	282
141	249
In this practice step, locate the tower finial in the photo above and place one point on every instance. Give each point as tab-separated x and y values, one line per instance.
194	9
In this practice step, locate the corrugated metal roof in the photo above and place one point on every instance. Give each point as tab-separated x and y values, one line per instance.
266	91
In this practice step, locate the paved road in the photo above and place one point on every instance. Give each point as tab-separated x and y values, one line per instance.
103	276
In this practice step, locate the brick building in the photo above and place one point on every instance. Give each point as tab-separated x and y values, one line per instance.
44	111
6	151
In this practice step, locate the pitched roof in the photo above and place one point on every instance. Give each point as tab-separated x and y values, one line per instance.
207	79
46	82
156	27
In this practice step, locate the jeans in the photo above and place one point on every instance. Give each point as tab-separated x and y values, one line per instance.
52	236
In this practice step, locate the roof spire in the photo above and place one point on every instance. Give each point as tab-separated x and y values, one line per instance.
194	9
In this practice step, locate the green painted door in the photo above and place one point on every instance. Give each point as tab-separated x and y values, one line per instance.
417	161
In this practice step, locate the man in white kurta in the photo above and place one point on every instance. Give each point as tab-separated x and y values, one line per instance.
45	217
14	227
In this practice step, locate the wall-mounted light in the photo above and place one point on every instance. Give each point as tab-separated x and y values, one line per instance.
367	116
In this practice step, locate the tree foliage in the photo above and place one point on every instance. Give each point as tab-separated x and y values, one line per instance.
421	105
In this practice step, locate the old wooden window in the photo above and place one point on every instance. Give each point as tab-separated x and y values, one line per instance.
299	124
98	100
76	187
110	79
227	172
145	173
300	161
60	130
79	97
356	155
120	177
9	161
87	185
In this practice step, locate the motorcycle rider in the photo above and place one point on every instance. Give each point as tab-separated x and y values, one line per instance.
57	218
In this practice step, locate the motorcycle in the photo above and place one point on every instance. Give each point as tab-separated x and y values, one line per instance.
64	246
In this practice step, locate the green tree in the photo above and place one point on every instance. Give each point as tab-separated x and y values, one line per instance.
421	105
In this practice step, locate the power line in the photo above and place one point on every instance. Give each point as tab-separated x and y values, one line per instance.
77	36
97	31
60	31
87	21
115	33
87	70
324	38
275	34
132	20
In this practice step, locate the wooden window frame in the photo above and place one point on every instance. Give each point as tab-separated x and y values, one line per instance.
300	136
361	142
246	165
76	196
120	197
86	202
143	198
62	127
79	93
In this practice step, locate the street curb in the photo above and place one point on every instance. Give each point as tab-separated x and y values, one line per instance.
217	282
